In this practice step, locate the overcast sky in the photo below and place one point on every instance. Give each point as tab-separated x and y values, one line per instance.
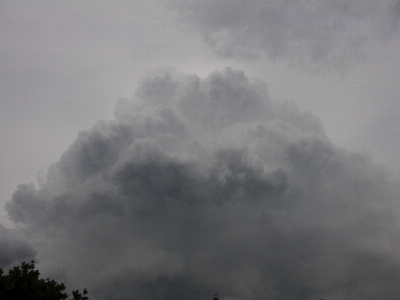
175	149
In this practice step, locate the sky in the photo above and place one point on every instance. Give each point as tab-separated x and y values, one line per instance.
178	149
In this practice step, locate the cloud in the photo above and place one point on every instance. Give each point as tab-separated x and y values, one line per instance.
315	35
13	250
205	185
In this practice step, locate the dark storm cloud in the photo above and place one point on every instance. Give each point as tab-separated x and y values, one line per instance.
13	250
207	185
315	35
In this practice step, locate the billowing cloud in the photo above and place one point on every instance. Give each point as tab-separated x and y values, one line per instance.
207	185
316	35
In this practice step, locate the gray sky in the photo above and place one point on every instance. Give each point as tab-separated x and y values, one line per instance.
245	147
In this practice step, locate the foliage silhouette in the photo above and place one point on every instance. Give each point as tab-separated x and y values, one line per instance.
23	283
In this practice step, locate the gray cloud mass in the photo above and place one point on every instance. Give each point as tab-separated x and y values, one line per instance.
13	249
207	185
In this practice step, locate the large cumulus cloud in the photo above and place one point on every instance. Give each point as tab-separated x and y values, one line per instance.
316	35
207	185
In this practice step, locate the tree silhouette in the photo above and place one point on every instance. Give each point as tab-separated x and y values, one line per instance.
23	283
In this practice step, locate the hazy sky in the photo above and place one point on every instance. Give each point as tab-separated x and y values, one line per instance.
175	149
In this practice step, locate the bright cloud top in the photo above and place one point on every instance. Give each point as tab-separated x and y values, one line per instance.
207	185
